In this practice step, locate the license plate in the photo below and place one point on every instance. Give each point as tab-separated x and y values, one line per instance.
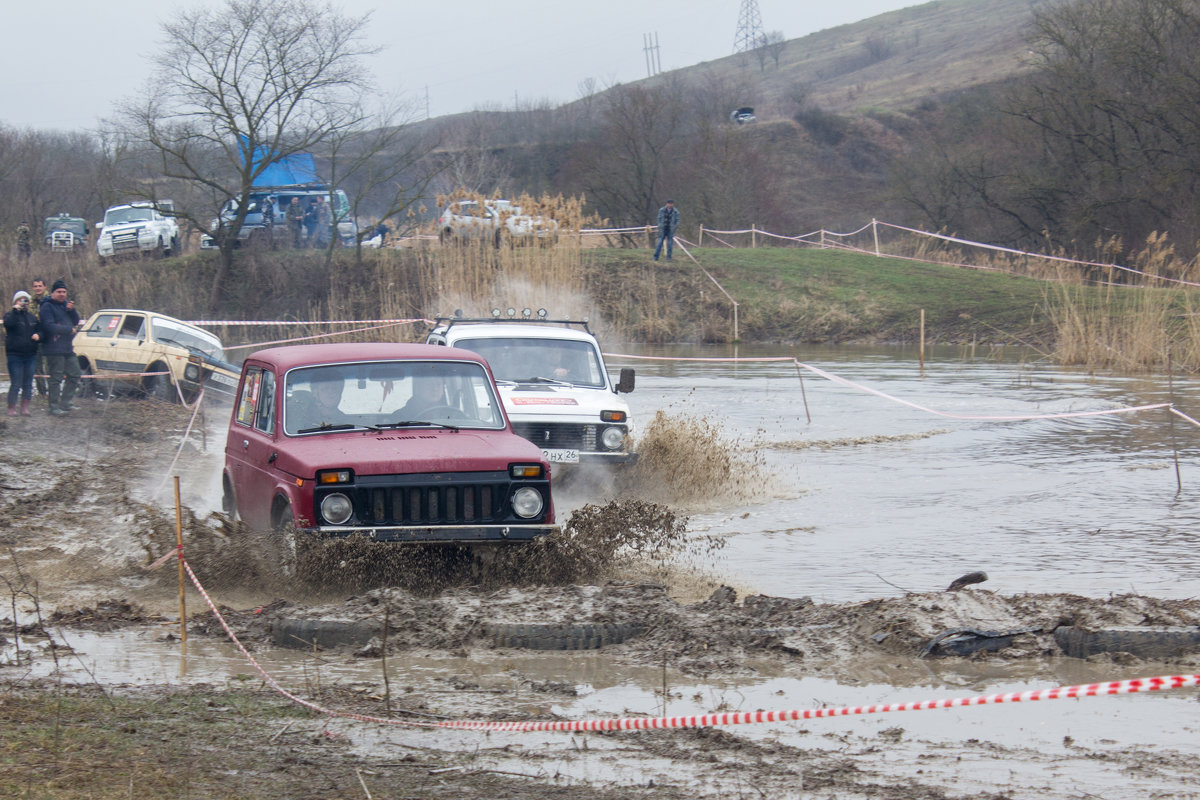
562	456
223	379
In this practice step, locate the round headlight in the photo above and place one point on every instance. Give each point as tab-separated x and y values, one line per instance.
613	438
336	508
527	502
191	372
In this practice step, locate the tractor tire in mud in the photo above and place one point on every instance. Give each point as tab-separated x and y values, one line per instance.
313	634
579	636
1141	641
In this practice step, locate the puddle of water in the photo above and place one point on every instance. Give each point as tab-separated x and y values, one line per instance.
1085	506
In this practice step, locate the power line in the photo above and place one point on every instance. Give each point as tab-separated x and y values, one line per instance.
749	34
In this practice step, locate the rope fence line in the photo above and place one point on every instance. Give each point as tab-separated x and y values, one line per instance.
833	378
330	335
825	241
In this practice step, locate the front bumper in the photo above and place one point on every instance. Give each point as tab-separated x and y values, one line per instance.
608	458
461	534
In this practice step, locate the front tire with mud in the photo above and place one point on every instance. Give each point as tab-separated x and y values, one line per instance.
159	386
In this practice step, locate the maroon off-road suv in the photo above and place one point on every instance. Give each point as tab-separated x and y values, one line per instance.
396	442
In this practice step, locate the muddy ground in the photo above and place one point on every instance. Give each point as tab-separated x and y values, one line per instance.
88	504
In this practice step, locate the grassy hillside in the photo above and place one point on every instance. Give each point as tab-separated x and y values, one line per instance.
791	295
892	61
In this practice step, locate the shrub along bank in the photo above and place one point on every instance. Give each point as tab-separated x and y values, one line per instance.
783	295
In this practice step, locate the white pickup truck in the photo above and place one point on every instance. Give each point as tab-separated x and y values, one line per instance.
553	382
136	229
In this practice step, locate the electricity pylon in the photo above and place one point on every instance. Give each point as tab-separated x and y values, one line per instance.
749	30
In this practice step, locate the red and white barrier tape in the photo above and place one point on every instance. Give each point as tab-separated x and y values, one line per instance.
325	335
1112	688
208	323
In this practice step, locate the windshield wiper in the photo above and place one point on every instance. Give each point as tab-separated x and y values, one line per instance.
412	423
538	379
341	426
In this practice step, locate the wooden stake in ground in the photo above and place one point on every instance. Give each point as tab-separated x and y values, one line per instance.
179	546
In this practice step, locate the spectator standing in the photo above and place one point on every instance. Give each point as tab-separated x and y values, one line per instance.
324	223
310	221
267	208
58	322
295	220
24	242
38	287
20	347
668	224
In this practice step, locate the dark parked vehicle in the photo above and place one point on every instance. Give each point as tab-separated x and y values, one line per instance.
64	233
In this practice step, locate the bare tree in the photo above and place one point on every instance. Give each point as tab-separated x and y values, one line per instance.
773	45
385	169
242	86
625	172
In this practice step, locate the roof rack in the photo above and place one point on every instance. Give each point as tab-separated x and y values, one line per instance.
510	316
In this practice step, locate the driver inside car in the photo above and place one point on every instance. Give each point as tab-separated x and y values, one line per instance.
429	393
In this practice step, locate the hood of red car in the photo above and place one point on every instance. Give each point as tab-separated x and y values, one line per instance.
405	451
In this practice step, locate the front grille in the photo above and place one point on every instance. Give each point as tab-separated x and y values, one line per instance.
465	498
125	240
558	436
431	505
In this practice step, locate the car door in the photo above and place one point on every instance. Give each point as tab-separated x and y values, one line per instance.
250	447
129	349
112	341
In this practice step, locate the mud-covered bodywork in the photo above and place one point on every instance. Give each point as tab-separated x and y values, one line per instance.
398	443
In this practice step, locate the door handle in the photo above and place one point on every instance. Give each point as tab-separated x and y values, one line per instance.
245	444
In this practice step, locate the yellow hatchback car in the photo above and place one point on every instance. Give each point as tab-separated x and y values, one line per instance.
151	353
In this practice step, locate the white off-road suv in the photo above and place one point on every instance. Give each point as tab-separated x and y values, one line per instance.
553	382
496	222
138	229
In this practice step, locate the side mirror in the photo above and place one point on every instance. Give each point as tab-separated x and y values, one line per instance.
625	385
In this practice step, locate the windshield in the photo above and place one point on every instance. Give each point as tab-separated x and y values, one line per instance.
390	394
524	359
117	216
70	224
187	336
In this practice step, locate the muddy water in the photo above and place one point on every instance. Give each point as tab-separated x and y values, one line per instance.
867	499
871	497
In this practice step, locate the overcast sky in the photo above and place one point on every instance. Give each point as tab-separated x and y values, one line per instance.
65	62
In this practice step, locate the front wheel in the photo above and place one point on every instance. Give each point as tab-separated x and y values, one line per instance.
228	499
158	386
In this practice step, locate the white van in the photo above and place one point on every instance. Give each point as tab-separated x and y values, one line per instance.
553	382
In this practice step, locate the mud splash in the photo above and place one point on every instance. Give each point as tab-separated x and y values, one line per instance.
598	542
691	464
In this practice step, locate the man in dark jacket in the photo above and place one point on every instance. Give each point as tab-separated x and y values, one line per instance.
58	321
20	346
668	223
